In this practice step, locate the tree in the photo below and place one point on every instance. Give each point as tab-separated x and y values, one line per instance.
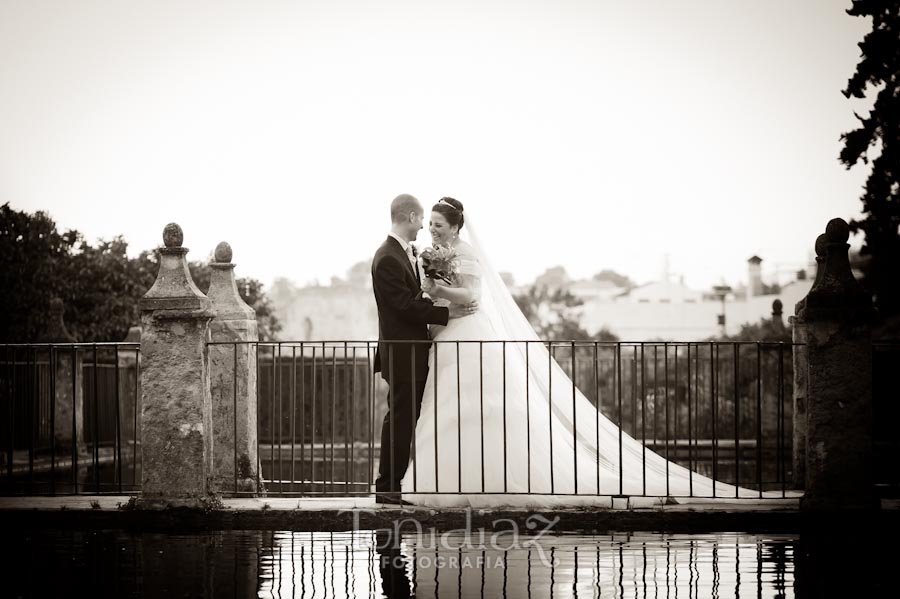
34	256
878	72
100	285
554	314
615	278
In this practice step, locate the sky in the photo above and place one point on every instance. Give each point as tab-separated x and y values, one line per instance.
588	134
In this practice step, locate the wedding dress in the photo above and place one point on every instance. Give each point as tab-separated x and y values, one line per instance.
502	425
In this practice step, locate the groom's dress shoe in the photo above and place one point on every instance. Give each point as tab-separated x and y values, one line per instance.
390	499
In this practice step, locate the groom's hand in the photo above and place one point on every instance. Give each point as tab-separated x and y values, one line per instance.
460	310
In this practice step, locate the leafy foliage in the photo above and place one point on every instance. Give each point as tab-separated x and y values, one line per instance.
554	314
878	73
100	285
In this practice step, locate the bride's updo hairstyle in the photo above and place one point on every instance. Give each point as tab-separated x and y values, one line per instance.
452	210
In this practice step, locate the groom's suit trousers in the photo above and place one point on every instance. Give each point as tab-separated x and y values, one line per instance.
397	433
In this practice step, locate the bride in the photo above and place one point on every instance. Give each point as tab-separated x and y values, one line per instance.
501	423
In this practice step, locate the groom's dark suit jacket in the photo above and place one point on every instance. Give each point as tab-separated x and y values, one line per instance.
402	314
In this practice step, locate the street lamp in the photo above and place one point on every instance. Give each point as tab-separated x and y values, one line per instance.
721	291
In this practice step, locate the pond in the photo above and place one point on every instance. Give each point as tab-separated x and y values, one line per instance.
367	563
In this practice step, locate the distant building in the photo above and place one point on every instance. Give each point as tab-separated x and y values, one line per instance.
662	292
668	310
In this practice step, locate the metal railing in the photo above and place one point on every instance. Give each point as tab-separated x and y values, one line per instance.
720	409
70	418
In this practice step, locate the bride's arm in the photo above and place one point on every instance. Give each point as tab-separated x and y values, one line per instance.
465	293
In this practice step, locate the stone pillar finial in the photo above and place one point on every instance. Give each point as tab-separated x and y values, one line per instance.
777	315
232	380
836	293
227	303
176	409
837	316
174	289
55	330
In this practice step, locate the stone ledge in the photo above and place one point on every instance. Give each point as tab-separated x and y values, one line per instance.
34	512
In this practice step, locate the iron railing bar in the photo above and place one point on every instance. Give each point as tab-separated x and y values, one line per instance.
324	446
353	407
258	465
118	453
303	416
737	420
574	421
458	423
234	386
550	408
759	436
53	370
435	403
596	369
505	464
690	421
12	409
134	443
32	399
528	411
481	404
293	415
643	422
781	451
312	428
621	423
412	415
371	415
714	397
334	401
667	401
96	431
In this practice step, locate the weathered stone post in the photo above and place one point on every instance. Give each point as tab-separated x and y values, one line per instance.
232	380
176	412
778	316
68	417
801	376
838	316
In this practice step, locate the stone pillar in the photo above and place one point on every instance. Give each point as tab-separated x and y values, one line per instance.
68	406
176	412
232	380
801	377
778	316
837	314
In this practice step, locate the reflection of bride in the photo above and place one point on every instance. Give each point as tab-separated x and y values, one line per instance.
506	412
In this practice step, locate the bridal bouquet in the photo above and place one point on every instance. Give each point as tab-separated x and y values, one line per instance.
440	263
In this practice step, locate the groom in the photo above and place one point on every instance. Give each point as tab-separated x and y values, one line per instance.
403	314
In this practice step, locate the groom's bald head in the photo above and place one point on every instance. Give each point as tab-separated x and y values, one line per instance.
402	206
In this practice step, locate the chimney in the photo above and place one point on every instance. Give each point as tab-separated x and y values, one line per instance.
754	275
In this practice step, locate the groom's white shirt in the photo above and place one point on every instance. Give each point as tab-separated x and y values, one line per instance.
406	248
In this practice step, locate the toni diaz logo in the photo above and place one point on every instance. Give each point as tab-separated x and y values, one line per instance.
503	535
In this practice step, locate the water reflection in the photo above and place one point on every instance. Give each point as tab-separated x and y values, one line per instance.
376	563
117	563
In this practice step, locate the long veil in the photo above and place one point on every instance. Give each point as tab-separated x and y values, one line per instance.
596	457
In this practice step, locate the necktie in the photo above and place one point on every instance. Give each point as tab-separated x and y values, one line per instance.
412	253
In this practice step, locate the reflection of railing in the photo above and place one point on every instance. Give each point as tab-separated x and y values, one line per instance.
720	409
414	563
70	417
